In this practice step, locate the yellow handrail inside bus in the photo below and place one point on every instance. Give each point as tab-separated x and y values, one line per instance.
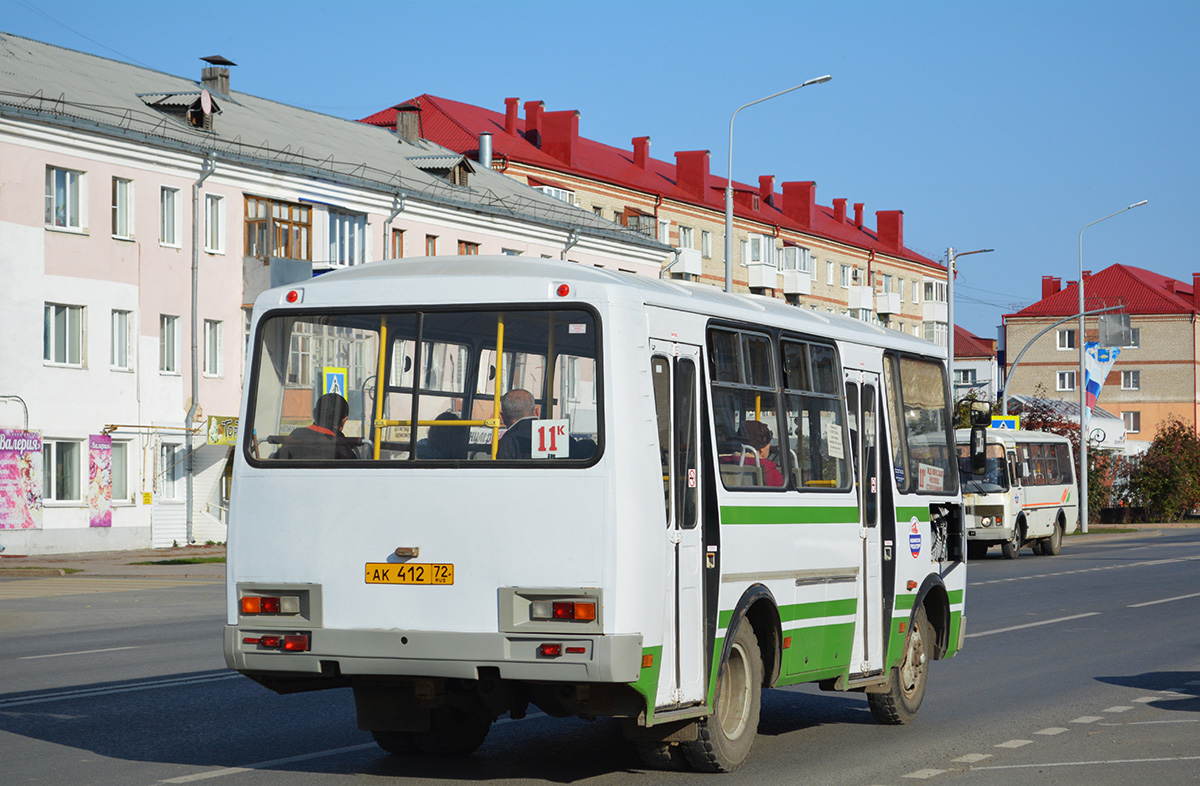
379	384
496	386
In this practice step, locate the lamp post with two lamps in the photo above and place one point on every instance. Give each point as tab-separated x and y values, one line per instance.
729	181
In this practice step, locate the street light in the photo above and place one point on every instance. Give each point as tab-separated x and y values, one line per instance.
1083	473
729	179
951	256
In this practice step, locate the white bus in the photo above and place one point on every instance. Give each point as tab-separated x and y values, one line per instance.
715	494
1027	497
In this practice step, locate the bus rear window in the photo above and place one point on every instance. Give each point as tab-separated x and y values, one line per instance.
436	387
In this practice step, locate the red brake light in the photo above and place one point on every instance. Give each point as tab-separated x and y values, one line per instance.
550	650
271	641
564	610
564	290
296	643
293	296
270	605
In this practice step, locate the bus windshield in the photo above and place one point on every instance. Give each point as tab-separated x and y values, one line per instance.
477	385
993	481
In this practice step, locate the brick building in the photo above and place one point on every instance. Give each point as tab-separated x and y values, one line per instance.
785	245
1155	376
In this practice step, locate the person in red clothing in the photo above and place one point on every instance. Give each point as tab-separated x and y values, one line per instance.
756	435
324	438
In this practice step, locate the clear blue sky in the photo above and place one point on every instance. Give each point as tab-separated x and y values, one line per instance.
1007	125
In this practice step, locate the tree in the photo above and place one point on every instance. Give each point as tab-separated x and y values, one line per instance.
1167	480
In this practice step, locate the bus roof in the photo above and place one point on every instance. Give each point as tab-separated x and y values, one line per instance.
507	279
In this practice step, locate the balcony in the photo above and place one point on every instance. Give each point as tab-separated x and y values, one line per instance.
690	262
887	302
760	275
797	282
934	311
860	298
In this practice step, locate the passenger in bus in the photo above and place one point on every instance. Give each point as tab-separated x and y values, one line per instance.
444	442
324	438
755	438
517	410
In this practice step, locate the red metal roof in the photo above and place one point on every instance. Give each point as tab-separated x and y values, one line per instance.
969	345
1139	291
457	125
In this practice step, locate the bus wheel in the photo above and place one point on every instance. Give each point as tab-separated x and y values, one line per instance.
725	736
1053	544
976	550
906	683
398	743
662	755
453	732
1012	548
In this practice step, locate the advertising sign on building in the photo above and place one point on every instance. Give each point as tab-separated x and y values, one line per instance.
20	479
99	480
222	430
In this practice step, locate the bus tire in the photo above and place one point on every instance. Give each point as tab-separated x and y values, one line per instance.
1012	548
397	743
907	681
661	755
453	732
1053	544
976	550
725	736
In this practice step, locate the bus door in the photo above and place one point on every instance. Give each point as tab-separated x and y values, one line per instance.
862	400
675	369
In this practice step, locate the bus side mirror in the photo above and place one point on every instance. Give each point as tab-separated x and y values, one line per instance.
981	418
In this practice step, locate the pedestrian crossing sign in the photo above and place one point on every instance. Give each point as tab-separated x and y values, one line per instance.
1011	422
334	380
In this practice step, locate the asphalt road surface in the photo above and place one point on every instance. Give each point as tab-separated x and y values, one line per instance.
1079	669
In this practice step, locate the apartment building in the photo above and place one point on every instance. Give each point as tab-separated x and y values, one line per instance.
1156	373
141	213
976	371
785	243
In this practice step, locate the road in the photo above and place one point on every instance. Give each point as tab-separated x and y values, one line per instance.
1079	669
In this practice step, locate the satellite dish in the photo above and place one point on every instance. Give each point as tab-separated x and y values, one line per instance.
205	102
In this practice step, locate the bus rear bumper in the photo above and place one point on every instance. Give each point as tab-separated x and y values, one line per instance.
349	653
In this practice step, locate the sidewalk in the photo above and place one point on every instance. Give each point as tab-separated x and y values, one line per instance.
119	564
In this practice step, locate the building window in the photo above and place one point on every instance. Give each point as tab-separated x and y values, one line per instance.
62	338
1135	339
65	199
169	473
213	363
936	332
1066	339
431	245
963	376
560	194
1065	380
168	344
598	210
168	216
706	244
120	472
935	291
122	208
119	355
214	223
300	357
1133	422
1131	380
396	249
796	258
686	237
61	470
887	284
278	229
900	288
664	231
468	249
916	291
845	276
347	238
510	252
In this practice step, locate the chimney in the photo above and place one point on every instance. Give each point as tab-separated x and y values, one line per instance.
800	202
1050	286
408	121
533	122
858	213
485	150
641	151
510	115
839	210
691	172
560	135
215	77
766	189
1196	291
889	225
1170	284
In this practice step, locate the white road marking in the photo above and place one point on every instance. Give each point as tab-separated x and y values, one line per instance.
924	774
1087	763
1144	564
1164	600
1119	708
81	652
1154	723
222	772
1087	719
63	695
971	758
1015	744
1146	699
1050	732
1033	624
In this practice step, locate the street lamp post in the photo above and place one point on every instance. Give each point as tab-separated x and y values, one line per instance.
729	179
1083	434
951	256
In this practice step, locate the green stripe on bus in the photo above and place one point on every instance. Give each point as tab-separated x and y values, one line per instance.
804	611
906	514
790	514
956	596
905	602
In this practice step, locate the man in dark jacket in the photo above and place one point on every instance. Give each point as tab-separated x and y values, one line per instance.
324	438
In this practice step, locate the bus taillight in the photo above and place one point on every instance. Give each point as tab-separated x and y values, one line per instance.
584	611
271	604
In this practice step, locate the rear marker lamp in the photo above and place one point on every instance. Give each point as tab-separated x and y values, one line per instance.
296	642
562	610
270	604
550	650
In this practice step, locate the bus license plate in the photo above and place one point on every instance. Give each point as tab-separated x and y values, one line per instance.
409	573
